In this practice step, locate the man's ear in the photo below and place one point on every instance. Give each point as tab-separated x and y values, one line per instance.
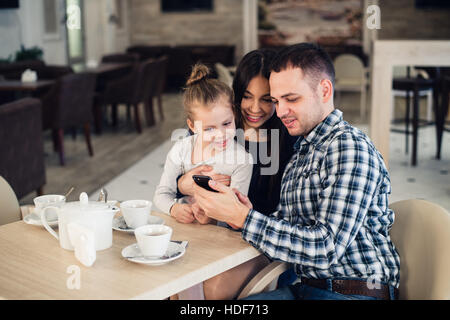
325	88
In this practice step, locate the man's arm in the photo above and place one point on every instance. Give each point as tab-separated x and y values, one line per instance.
346	195
344	200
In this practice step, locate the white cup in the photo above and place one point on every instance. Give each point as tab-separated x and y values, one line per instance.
136	212
153	240
49	200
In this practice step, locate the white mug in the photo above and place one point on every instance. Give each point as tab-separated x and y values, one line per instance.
136	212
49	200
153	240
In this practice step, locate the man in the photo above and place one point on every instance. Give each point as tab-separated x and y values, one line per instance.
333	219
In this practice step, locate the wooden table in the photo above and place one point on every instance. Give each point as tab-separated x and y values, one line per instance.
34	266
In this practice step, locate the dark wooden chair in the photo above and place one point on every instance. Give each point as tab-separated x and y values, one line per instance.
22	147
120	57
158	87
132	90
69	105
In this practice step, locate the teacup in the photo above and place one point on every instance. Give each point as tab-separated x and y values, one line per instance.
49	200
136	212
153	240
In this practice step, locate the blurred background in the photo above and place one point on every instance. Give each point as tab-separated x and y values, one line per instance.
90	90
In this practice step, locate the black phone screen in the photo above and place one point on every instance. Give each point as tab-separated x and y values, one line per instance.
202	181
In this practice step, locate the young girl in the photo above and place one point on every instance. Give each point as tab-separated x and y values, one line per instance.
208	104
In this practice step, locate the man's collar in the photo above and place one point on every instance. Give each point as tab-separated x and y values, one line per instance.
321	131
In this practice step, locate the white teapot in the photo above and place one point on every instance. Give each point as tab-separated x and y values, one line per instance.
94	215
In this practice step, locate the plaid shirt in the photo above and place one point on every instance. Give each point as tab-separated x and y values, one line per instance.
333	219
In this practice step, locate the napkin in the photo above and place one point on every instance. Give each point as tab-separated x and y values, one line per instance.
82	240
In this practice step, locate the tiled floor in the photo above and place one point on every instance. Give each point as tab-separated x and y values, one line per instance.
429	180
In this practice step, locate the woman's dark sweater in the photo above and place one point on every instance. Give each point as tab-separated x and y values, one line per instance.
264	190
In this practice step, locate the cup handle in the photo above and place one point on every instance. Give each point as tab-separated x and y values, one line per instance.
45	223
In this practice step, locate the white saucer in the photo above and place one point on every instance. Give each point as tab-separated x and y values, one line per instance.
119	223
35	220
133	254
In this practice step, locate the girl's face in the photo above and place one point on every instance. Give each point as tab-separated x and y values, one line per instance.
214	123
256	105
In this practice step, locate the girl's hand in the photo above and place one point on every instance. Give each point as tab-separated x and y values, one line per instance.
200	215
182	213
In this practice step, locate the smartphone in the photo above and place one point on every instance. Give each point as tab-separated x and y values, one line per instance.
202	181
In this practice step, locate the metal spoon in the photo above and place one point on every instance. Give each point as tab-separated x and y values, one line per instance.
103	196
69	192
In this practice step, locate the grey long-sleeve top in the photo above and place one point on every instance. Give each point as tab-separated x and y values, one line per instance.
234	161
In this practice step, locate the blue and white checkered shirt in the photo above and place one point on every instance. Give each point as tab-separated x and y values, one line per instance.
333	219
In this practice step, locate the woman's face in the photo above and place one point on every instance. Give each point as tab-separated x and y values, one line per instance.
256	105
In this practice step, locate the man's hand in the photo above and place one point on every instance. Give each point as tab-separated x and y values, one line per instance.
182	213
223	206
186	183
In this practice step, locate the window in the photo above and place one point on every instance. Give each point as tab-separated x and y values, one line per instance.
51	21
186	5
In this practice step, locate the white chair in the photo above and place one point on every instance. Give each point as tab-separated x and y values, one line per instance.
401	72
265	280
421	234
351	77
10	209
224	74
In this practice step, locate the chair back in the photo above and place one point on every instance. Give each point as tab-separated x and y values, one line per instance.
10	205
224	74
120	58
162	75
421	234
21	146
147	79
349	67
74	100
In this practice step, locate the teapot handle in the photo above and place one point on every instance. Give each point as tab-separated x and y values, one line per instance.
45	223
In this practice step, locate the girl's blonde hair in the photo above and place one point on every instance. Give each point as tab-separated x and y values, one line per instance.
203	91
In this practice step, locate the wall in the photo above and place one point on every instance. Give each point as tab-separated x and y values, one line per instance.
401	20
222	26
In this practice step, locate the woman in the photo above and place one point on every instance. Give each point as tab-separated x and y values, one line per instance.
266	138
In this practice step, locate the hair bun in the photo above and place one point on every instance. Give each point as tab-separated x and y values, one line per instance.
199	72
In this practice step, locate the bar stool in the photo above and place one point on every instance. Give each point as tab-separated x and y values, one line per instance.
441	113
414	85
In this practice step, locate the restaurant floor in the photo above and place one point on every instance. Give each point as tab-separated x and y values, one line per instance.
130	165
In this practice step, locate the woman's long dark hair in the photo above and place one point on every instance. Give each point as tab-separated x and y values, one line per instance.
253	64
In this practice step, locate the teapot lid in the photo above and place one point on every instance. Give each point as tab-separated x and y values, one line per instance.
85	205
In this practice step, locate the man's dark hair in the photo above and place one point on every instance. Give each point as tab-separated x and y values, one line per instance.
313	60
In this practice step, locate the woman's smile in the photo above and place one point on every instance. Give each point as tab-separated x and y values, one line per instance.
253	118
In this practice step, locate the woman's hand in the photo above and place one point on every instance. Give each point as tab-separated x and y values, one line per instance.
182	213
225	205
186	183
